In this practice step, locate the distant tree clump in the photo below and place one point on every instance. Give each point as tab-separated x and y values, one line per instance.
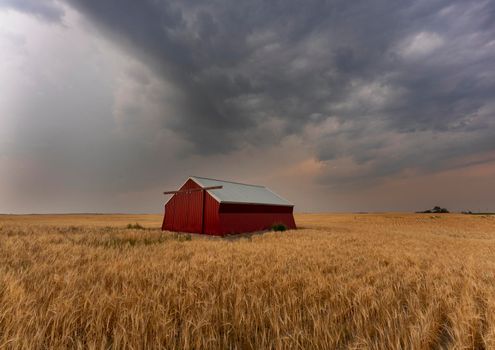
435	210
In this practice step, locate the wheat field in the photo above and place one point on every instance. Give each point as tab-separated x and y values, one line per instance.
341	281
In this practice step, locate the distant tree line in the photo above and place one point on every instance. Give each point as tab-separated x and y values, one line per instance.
435	210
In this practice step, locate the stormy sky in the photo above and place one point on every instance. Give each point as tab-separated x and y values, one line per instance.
336	105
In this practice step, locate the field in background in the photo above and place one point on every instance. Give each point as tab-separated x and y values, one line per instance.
98	220
341	281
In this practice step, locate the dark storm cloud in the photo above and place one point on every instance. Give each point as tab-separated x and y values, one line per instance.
44	9
405	85
240	63
416	66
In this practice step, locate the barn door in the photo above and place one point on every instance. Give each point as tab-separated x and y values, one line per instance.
190	211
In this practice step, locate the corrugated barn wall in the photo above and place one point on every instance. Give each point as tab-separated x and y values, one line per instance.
236	218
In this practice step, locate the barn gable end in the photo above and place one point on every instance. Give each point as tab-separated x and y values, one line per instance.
183	211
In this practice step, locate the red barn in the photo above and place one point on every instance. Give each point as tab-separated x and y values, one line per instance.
217	207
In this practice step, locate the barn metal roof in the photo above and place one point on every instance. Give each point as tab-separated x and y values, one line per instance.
234	192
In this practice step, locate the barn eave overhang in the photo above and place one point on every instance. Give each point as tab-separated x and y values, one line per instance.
251	203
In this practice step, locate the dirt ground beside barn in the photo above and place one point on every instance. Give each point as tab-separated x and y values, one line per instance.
415	281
